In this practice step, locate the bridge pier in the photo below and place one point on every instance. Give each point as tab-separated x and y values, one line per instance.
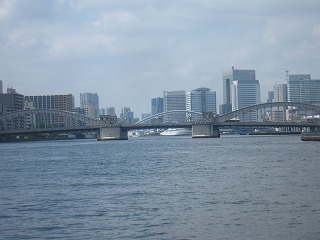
112	133
205	131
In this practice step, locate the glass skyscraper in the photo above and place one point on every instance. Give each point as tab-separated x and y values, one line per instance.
301	88
174	100
156	105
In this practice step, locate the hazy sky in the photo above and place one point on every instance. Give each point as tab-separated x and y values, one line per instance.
129	51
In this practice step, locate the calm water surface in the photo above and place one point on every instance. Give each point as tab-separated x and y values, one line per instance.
235	187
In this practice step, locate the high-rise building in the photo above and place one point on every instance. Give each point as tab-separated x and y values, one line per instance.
90	99
126	116
1	87
241	89
63	102
111	111
228	78
303	89
280	93
200	100
156	105
11	101
270	96
102	111
245	94
174	100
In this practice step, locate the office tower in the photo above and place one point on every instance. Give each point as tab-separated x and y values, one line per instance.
1	87
228	80
102	111
111	111
200	100
10	102
303	89
90	99
174	100
270	96
63	102
245	94
156	105
280	93
241	89
126	116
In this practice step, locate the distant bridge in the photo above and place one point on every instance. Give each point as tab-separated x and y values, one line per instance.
43	118
55	121
155	116
302	107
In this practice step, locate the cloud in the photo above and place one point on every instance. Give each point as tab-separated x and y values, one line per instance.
130	51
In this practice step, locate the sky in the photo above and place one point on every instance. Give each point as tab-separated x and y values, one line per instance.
129	51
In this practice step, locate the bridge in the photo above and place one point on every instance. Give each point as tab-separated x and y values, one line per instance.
286	115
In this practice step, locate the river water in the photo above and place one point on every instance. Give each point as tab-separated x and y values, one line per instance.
234	187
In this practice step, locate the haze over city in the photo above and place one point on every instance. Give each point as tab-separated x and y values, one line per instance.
130	51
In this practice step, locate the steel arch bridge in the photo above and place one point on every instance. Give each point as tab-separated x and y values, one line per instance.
278	106
43	118
168	112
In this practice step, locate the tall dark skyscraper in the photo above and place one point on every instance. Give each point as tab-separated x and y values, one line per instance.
156	105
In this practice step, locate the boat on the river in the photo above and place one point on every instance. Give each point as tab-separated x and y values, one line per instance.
310	136
176	132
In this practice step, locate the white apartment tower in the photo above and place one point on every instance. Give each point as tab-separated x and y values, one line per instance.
280	93
200	100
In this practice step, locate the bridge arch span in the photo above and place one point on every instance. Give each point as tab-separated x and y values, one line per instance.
286	105
164	113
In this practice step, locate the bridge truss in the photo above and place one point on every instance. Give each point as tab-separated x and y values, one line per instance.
189	115
274	112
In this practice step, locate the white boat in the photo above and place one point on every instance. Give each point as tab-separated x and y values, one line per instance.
176	132
136	133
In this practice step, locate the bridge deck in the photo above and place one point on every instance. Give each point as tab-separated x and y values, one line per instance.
220	125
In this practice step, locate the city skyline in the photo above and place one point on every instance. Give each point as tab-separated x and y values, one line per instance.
244	74
129	52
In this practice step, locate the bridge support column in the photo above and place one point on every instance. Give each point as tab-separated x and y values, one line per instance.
205	131
112	133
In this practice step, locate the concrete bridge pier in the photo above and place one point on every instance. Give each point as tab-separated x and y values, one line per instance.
205	131
112	133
